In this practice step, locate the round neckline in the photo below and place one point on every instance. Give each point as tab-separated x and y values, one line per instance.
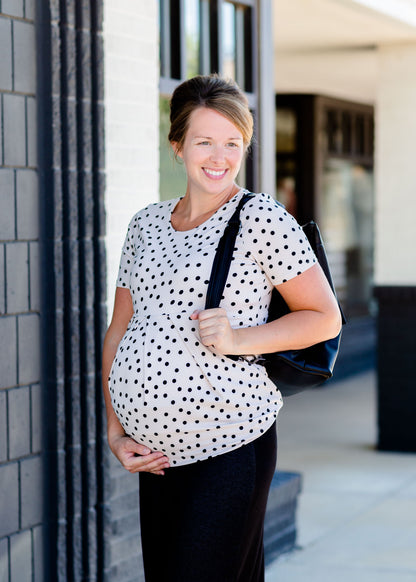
219	210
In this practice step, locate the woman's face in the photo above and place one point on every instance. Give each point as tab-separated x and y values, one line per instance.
212	152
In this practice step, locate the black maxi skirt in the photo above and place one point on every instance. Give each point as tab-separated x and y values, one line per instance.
203	522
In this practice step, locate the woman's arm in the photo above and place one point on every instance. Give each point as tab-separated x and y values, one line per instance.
314	317
133	456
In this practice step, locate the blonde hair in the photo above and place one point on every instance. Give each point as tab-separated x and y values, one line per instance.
214	92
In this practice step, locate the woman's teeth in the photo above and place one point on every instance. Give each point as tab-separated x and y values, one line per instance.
215	172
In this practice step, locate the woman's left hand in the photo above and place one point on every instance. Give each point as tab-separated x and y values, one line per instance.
215	330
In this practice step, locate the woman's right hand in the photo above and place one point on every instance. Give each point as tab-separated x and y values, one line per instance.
136	457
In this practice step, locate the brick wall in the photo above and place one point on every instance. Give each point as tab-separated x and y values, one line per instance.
132	181
20	396
131	54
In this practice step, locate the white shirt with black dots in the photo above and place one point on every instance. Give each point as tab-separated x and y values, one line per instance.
169	391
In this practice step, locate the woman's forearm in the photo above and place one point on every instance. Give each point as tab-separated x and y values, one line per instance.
295	330
111	341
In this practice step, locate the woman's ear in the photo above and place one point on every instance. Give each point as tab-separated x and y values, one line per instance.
176	151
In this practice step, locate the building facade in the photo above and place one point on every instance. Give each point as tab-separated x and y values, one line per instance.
83	85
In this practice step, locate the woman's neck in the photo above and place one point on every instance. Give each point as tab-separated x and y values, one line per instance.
191	211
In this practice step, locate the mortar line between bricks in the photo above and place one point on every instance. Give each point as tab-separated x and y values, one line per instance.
32	548
19	480
7	427
30	420
6	167
12	43
2	129
9	557
17	93
26	135
20	314
18	18
5	279
29	287
17	351
15	202
16	460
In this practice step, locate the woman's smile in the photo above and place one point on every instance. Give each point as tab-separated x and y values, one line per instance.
216	174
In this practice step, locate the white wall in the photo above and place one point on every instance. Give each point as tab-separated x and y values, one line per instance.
131	54
395	165
346	74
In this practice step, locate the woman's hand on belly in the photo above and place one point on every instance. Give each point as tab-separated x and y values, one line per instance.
136	457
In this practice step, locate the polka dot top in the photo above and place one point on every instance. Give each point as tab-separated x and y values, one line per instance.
169	391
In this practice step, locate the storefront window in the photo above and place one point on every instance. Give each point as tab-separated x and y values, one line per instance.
229	40
172	172
192	35
203	37
286	130
346	222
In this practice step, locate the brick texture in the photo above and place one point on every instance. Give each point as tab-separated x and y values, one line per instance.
24	57
6	54
38	569
27	204
8	353
29	349
2	281
19	428
31	483
7	213
9	498
21	496
3	426
132	97
36	418
13	7
4	559
14	130
21	557
17	273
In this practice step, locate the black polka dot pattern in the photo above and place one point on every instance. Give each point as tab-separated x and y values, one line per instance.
168	390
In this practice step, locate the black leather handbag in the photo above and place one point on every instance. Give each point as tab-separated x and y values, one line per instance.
294	370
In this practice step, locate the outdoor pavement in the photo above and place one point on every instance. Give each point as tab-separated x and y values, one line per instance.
357	511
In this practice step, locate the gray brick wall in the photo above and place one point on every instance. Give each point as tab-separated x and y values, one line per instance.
21	471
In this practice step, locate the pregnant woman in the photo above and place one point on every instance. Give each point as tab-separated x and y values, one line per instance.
198	426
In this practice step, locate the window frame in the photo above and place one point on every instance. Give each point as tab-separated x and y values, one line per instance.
173	62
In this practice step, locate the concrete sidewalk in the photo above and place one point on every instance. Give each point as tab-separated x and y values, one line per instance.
357	510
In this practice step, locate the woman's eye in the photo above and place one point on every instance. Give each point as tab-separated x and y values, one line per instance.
233	145
203	143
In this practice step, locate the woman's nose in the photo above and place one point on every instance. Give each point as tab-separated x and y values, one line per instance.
217	154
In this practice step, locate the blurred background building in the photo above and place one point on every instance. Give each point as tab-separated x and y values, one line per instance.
84	89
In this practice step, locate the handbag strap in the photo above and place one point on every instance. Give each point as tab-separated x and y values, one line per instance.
225	249
223	256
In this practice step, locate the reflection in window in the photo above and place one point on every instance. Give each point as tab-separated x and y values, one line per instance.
285	130
192	36
347	228
172	173
229	40
334	131
359	135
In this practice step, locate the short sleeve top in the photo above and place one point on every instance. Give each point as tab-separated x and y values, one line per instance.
169	391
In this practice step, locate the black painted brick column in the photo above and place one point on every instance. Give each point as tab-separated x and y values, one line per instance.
396	326
71	165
